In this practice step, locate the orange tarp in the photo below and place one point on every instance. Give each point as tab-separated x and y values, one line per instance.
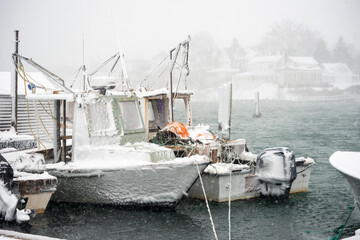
178	129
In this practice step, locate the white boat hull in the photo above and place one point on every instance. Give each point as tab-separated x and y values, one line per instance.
355	187
244	185
348	164
147	186
301	183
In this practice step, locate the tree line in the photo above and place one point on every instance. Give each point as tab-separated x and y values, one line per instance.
284	37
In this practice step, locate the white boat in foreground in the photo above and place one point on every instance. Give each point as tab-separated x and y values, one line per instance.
348	164
111	163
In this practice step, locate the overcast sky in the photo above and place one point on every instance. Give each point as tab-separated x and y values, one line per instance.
51	32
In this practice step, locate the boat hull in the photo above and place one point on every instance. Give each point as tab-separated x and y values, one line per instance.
355	186
348	164
146	186
244	185
35	189
301	183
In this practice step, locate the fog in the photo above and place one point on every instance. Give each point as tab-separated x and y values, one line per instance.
52	32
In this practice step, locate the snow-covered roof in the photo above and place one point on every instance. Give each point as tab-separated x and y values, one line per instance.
159	91
336	68
302	68
266	59
224	70
34	77
260	72
304	60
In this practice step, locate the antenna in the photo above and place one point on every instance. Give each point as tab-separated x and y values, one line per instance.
83	66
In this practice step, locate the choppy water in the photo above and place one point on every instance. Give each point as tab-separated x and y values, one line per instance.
309	129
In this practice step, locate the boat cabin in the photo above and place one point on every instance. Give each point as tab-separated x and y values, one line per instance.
156	110
109	120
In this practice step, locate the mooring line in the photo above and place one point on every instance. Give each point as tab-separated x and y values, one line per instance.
207	204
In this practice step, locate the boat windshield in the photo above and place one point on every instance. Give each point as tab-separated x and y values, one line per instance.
101	119
130	115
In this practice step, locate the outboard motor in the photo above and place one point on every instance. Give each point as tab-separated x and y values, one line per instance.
9	203
276	170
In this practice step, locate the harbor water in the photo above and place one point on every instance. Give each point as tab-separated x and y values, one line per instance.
313	130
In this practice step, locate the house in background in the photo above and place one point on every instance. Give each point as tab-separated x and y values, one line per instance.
269	75
300	72
283	71
339	75
260	70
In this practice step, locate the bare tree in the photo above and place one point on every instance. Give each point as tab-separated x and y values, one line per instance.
204	52
290	37
235	52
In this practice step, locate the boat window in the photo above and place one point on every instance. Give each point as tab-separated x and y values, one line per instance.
151	114
100	118
180	111
130	115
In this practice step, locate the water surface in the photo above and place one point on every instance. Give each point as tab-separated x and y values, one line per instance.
309	129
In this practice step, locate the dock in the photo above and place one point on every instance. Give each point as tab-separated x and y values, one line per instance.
11	235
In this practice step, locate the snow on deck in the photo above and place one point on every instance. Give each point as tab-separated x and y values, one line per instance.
225	168
12	135
24	176
160	91
121	160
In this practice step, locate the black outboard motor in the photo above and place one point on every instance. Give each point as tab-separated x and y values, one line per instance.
276	170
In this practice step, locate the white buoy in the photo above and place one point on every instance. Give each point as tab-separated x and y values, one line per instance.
257	102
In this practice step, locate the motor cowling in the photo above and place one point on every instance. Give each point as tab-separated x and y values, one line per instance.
276	170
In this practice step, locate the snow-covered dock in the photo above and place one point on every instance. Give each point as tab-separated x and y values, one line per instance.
12	235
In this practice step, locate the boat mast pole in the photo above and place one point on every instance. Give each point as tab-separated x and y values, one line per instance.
173	61
14	86
83	66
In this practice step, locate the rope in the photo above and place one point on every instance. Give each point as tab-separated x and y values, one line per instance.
27	107
229	203
159	75
42	123
339	229
50	114
207	204
177	87
306	168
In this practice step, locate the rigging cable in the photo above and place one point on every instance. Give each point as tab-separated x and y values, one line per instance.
177	87
153	70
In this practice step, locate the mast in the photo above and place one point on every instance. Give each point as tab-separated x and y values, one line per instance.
14	85
83	66
173	61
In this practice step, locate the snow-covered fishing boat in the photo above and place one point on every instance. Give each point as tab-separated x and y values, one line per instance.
348	164
274	172
110	162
